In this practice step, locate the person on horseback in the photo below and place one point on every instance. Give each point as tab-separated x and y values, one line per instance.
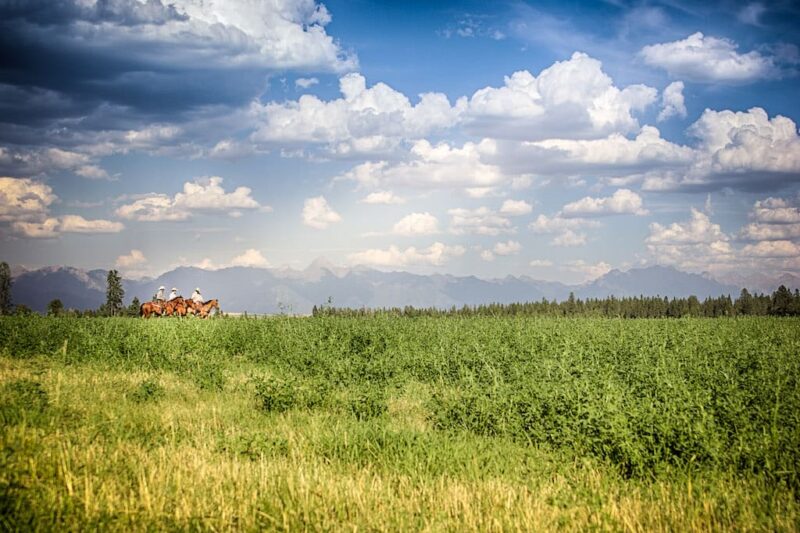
173	294
159	297
196	296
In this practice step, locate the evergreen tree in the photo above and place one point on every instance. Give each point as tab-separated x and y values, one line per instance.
5	289
133	309
744	305
114	293
781	304
55	308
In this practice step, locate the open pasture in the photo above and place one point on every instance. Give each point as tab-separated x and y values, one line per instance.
382	423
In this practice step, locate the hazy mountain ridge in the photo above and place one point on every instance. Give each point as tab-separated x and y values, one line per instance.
258	290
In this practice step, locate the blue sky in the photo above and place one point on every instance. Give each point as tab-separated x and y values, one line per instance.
555	140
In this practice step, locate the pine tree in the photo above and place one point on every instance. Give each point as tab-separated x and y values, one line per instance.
114	293
5	289
133	309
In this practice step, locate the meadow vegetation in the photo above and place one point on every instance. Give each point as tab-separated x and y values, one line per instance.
396	423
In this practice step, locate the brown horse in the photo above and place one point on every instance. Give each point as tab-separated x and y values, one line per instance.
206	307
176	306
151	308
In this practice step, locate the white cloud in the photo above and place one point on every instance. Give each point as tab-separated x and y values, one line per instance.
487	255
589	270
134	259
54	226
45	229
305	83
623	201
203	195
744	150
250	258
613	155
24	199
515	208
569	238
775	219
541	263
708	60
439	166
697	244
772	249
481	221
436	254
699	229
672	103
564	229
383	197
417	224
507	248
318	214
93	172
365	120
281	34
569	99
78	224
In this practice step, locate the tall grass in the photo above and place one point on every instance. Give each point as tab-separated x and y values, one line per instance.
380	423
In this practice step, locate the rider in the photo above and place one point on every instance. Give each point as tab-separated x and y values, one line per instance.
173	294
196	296
159	297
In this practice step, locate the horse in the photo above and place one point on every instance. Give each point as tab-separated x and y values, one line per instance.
151	308
175	306
206	307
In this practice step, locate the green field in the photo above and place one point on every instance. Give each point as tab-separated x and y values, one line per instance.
382	423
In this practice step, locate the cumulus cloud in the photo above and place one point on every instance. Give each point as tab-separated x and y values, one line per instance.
623	201
417	224
742	150
672	103
436	254
24	199
774	219
134	259
54	226
318	214
364	121
429	166
507	248
708	59
565	230
694	244
203	195
480	221
569	238
383	197
772	249
250	258
515	208
612	156
570	99
25	203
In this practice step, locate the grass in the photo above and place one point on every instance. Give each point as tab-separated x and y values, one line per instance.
423	424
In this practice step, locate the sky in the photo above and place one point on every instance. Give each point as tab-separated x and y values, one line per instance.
556	140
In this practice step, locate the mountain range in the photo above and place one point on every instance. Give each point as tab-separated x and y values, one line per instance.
259	290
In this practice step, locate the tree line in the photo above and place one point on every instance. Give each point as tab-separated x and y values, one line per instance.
112	307
782	302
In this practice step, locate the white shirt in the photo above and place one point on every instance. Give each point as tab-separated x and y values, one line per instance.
172	295
160	294
197	297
